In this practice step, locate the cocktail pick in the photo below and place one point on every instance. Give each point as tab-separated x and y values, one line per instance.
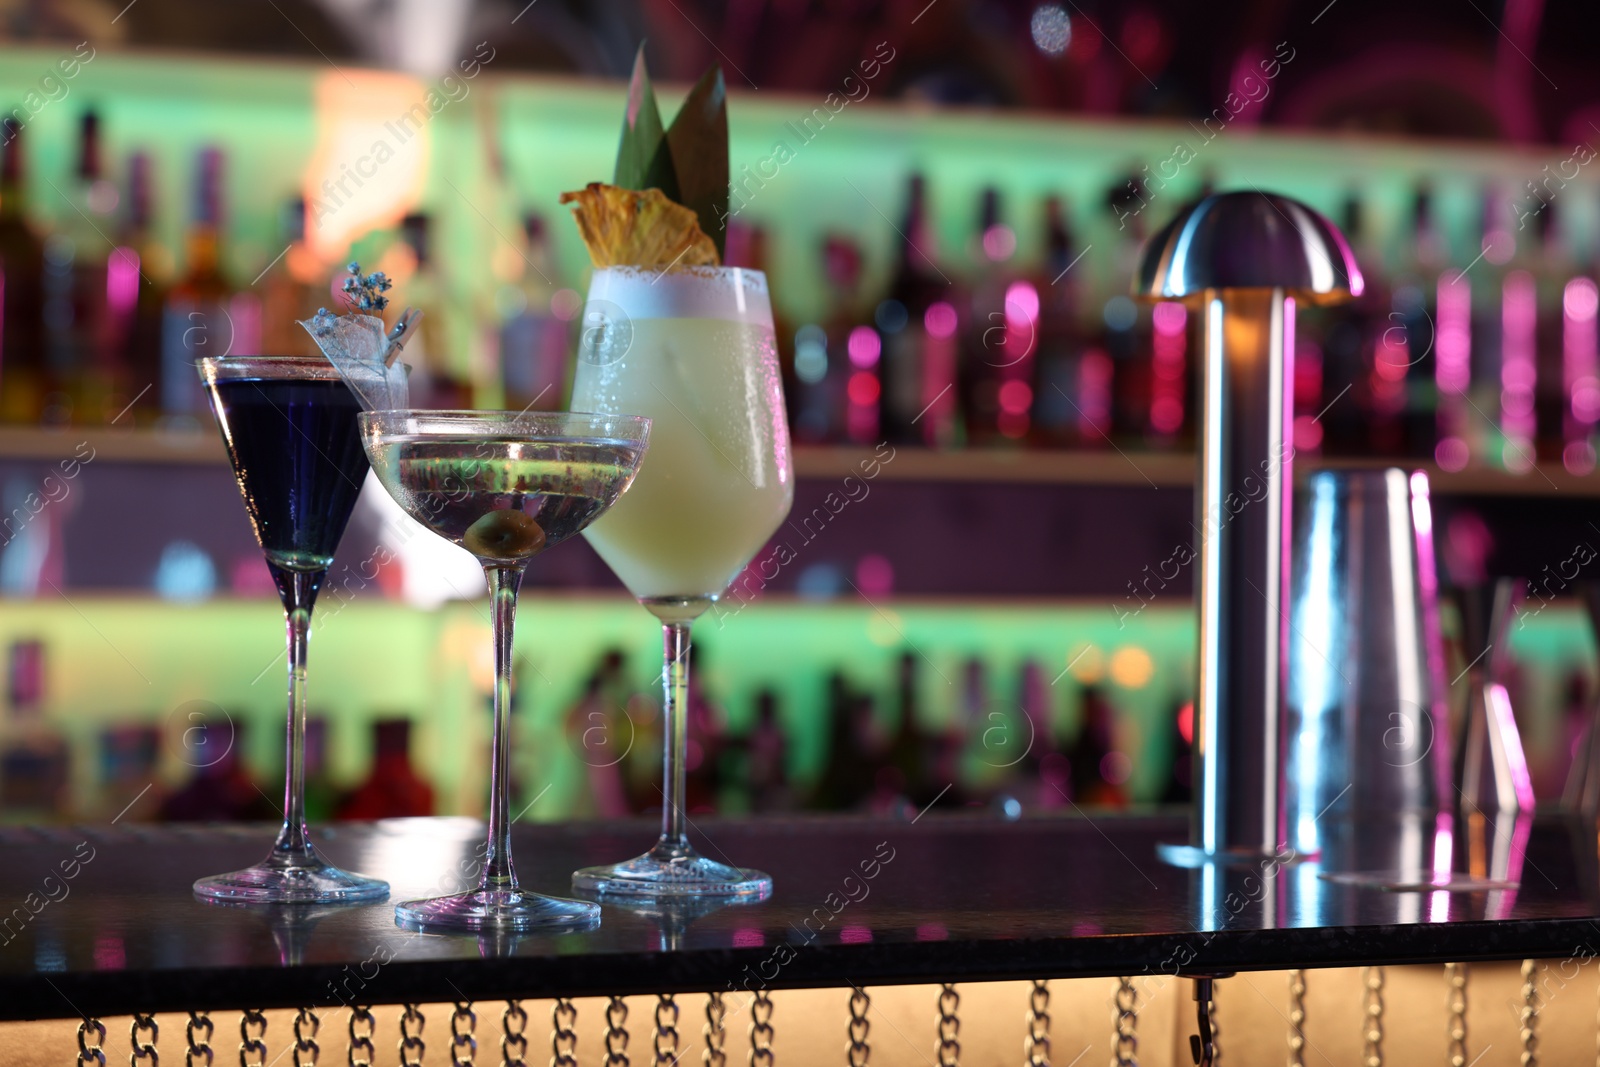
360	349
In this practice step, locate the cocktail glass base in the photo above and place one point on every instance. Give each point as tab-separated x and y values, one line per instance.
304	879
497	910
672	873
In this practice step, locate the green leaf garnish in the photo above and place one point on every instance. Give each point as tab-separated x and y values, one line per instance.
698	144
644	160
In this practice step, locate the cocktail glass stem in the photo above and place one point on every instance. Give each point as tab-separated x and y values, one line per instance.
675	701
298	590
498	872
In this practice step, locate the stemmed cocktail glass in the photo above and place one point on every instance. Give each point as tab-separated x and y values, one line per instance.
694	350
505	486
290	426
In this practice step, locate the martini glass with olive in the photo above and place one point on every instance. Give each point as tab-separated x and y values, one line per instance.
505	486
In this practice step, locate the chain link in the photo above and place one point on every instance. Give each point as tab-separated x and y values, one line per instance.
1372	1017
463	1025
1213	1015
617	1033
306	1025
716	1033
1530	1013
198	1021
252	1044
412	1046
1126	1045
563	1035
948	1050
1456	975
1297	1019
144	1048
514	1038
761	1054
90	1051
362	1026
666	1031
1036	1046
859	1050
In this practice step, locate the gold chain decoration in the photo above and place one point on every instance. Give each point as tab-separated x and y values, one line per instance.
1297	1019
1372	1028
716	1033
666	1031
463	1045
306	1025
1037	1044
1530	1013
948	1050
363	1025
89	1050
252	1044
1456	975
198	1021
1216	1030
144	1048
411	1044
563	1036
859	1051
617	1033
1126	1049
761	1054
514	1039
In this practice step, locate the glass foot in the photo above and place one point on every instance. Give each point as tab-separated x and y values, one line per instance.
666	873
304	880
496	909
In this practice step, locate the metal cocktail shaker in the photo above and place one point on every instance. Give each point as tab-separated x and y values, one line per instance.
1367	763
1243	260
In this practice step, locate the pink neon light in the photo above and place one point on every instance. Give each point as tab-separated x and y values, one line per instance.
1453	336
864	347
1518	319
1579	301
122	279
1167	350
1022	302
940	320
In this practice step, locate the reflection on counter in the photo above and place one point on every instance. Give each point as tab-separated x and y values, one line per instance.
142	710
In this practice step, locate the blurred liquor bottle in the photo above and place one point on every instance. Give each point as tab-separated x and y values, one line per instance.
1126	325
907	764
79	376
34	757
1060	362
1348	332
22	351
294	286
1406	354
704	744
1098	775
137	273
1484	266
1579	345
204	315
602	736
220	789
1001	335
766	752
535	335
918	401
129	772
1553	270
439	378
393	789
819	396
847	777
1519	336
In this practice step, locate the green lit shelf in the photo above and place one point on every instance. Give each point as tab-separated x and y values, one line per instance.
1127	469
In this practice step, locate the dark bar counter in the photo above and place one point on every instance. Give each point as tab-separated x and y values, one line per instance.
857	901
